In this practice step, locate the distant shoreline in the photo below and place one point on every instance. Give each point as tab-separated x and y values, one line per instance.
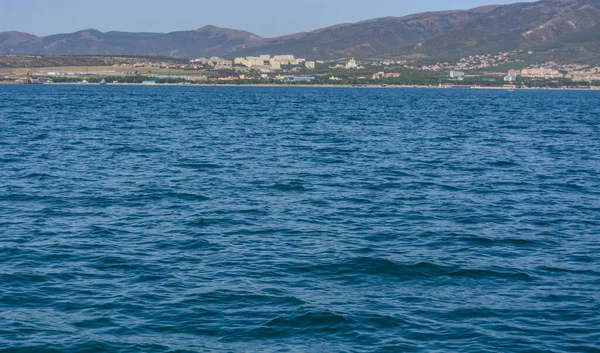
492	88
313	85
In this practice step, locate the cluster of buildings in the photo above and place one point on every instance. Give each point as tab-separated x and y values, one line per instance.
352	64
272	63
475	62
551	70
484	61
389	63
215	62
288	68
382	75
545	73
583	76
156	64
264	63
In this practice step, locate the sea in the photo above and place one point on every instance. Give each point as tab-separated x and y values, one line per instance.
298	219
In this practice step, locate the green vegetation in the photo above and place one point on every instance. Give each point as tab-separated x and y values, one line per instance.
553	83
509	66
120	79
421	79
28	61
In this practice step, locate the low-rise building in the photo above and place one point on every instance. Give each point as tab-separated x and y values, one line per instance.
283	57
202	61
226	65
583	76
545	73
198	78
290	79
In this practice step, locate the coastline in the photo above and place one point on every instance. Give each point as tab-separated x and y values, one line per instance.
492	88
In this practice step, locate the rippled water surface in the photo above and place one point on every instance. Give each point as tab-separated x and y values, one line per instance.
176	219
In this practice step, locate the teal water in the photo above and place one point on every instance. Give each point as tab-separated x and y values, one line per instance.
186	219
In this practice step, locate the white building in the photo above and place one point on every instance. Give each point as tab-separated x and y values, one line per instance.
223	64
456	74
351	64
253	61
283	57
275	65
202	61
309	65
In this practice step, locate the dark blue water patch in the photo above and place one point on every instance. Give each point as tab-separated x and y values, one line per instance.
231	219
382	267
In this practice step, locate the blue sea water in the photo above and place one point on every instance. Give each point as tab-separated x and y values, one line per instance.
231	219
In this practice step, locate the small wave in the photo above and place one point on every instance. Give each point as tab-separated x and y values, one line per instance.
474	273
471	313
289	187
503	164
187	196
384	267
574	186
500	241
516	241
115	263
239	298
149	278
40	137
185	244
558	132
102	232
567	271
40	176
312	321
95	323
9	160
199	166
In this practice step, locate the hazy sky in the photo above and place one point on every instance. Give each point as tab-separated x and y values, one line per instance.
267	18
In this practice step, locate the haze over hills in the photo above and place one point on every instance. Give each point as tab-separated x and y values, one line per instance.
562	30
367	38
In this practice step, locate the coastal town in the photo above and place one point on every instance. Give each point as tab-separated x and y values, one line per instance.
504	69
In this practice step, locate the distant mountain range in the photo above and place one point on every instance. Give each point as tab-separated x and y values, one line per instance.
561	30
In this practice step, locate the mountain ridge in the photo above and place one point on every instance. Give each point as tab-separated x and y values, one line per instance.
554	27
